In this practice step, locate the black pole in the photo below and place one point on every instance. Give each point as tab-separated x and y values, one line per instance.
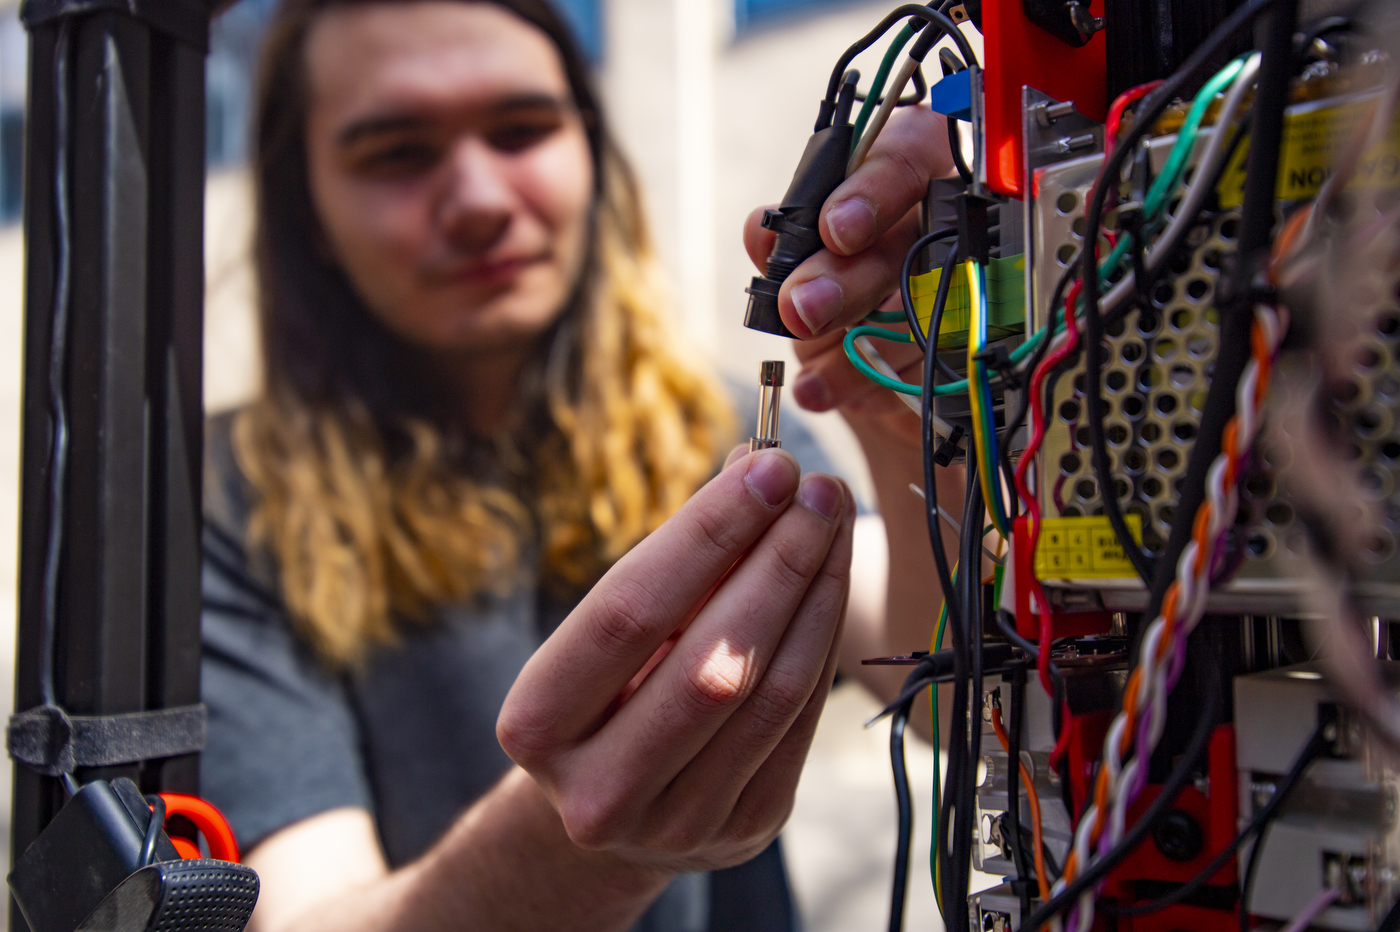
125	612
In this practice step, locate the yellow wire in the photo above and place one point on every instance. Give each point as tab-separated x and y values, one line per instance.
974	396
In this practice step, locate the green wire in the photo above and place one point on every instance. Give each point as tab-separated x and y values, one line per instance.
1165	183
886	317
872	97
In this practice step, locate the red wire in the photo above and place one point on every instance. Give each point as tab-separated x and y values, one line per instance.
1039	603
1120	106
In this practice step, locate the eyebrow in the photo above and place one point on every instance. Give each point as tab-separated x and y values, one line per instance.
393	122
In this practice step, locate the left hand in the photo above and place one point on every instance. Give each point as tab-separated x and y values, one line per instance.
867	226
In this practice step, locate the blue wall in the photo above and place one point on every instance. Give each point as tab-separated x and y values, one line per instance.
748	13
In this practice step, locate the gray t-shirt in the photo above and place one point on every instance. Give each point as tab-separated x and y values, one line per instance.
410	737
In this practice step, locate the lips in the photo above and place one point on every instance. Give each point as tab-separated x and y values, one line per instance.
486	273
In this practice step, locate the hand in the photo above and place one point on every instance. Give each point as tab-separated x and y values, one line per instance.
695	769
867	226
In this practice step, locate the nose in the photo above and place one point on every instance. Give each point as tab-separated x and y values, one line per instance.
478	202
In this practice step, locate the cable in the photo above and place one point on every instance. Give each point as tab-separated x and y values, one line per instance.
980	399
909	69
58	359
1165	799
153	827
1391	922
932	17
1153	107
872	100
899	886
1317	743
1262	167
1032	798
911	315
1314	909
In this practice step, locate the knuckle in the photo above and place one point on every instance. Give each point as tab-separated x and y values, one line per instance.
713	530
777	700
716	678
789	566
681	836
527	739
620	621
590	820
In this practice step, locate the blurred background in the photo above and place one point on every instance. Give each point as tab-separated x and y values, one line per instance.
713	100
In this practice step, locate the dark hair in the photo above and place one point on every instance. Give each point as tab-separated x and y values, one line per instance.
356	359
372	508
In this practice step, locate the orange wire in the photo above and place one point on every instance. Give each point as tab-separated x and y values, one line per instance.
1032	797
1200	532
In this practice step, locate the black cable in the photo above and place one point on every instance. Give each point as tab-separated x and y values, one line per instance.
932	17
951	65
906	294
1007	624
935	527
1152	108
1165	799
970	579
899	886
58	359
956	840
1017	682
1391	922
153	828
1311	751
940	559
1256	225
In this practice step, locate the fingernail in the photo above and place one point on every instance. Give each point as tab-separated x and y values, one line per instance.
851	224
822	494
811	391
817	302
772	475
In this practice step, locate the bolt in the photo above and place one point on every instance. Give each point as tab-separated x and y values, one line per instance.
1068	144
1179	836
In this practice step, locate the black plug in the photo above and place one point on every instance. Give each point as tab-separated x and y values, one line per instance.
822	168
949	448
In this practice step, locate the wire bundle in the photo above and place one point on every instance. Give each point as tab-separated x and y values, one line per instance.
1139	725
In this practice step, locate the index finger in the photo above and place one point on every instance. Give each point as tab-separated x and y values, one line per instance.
566	688
910	151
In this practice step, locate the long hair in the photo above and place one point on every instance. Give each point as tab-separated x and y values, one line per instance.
373	508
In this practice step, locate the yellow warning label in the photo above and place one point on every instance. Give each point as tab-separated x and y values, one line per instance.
1084	548
1315	135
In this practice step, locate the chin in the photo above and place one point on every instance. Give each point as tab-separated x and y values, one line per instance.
499	324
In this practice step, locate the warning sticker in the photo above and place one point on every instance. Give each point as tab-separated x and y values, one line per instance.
1315	134
1084	548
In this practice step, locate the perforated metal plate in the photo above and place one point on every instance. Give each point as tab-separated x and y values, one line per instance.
1155	384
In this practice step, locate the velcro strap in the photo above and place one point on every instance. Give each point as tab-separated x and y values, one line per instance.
53	742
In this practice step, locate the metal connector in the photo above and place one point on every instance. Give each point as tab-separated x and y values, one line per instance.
770	394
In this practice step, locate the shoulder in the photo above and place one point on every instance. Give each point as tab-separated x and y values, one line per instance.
228	496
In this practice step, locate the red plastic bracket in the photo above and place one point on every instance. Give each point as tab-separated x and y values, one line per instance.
1018	53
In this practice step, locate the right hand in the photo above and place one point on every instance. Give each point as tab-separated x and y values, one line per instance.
695	766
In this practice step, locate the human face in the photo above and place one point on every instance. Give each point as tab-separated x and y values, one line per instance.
449	168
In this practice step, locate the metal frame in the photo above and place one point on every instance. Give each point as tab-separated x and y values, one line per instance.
127	631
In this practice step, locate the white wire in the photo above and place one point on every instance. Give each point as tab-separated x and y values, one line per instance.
877	123
1217	148
1194	586
1312	910
872	356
